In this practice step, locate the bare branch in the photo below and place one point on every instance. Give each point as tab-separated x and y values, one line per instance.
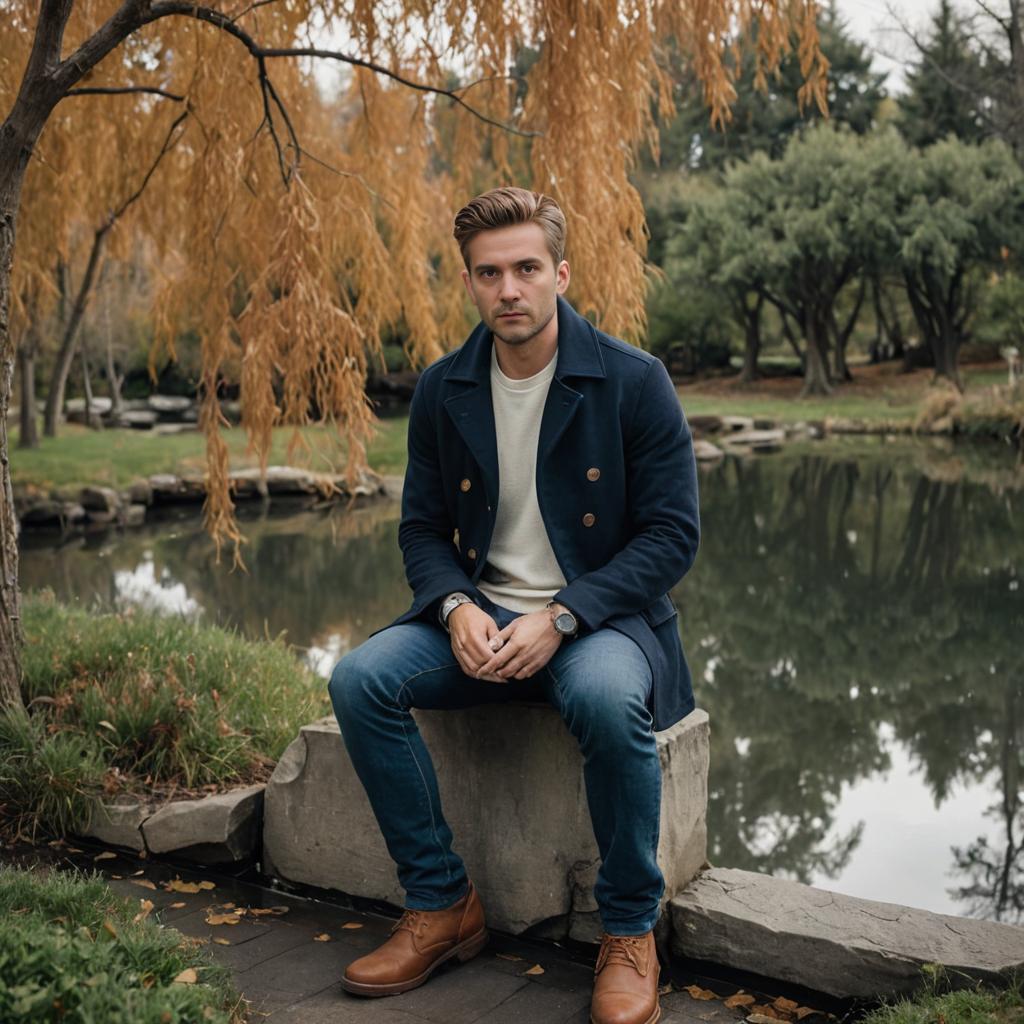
114	90
168	145
252	7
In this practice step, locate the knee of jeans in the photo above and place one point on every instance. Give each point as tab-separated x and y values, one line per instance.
350	686
599	709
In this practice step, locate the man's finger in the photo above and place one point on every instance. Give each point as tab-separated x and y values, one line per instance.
501	658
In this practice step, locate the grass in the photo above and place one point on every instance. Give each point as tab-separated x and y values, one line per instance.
967	1006
72	951
80	456
138	701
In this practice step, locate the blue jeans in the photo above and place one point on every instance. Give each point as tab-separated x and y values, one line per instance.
599	683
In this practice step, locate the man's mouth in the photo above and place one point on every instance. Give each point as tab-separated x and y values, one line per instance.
510	316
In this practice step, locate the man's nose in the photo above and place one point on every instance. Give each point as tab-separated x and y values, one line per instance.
509	288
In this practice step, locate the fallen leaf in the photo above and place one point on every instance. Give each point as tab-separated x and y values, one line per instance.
351	924
105	855
106	725
118	877
179	886
74	849
110	929
141	871
535	969
507	956
700	993
760	1018
216	919
322	937
740	999
145	909
206	885
803	1011
228	906
765	1011
176	906
785	1005
144	882
222	942
665	989
187	976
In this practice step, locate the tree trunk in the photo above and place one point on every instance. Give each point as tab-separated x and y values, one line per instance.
113	377
28	433
752	333
945	348
816	369
62	365
91	419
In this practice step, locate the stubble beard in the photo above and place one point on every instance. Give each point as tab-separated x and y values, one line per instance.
524	333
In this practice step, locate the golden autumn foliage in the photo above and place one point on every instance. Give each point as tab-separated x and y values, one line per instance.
287	228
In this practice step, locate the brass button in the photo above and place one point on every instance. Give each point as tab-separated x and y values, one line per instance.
465	485
593	473
589	519
472	553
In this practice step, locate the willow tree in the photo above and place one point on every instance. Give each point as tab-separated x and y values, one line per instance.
353	223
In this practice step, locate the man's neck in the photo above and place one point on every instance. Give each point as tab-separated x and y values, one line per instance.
521	361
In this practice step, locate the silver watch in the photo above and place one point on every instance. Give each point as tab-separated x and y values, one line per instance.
565	623
451	602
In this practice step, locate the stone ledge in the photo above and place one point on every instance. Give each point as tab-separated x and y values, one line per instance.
511	783
218	829
840	945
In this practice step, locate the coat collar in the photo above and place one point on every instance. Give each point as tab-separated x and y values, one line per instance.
579	351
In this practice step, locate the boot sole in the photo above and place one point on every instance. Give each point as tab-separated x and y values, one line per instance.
650	1020
465	950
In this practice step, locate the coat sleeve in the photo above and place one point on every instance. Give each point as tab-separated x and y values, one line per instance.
661	475
426	531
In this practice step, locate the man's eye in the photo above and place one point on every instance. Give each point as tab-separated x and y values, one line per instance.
529	268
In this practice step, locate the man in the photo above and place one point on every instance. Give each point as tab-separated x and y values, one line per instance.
550	504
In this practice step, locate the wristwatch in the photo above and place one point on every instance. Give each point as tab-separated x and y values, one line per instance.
450	603
565	622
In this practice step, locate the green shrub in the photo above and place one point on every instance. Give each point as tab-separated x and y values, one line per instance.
72	951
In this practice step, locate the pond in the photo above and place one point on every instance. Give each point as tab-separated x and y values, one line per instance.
854	623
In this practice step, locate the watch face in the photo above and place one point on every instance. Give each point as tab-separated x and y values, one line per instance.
565	623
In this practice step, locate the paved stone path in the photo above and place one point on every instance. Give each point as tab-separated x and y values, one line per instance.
287	961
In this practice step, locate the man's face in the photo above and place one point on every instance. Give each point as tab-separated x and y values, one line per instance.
513	281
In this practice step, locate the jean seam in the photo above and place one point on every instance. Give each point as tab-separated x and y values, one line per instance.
419	767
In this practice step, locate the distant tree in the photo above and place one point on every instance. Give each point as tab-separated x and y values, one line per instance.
958	207
764	119
947	85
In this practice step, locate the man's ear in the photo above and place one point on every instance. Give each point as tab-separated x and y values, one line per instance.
469	286
562	276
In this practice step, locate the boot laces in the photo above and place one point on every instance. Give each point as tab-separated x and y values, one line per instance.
625	950
411	921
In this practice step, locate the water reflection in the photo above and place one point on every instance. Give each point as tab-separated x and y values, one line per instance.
853	623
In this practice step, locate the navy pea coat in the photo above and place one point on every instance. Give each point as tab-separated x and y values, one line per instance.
616	486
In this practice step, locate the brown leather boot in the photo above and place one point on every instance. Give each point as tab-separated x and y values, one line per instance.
626	981
420	942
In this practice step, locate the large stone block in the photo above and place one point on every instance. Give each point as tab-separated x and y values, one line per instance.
511	781
842	945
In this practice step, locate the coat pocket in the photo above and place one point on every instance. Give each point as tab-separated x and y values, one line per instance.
659	611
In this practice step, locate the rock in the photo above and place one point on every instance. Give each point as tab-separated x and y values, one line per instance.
734	424
232	410
512	786
175	428
99	499
137	419
705	424
169	403
842	945
764	423
212	830
170	488
99	406
73	512
140	493
119	823
943	425
134	515
98	518
755	438
705	451
44	512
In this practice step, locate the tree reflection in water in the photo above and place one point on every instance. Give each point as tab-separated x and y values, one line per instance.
843	600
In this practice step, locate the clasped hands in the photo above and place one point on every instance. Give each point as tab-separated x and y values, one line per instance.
495	655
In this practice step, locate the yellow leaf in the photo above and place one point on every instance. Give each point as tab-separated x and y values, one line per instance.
664	990
177	906
352	924
110	929
222	942
179	886
187	976
141	871
803	1011
784	1004
206	885
216	919
144	882
765	1011
700	993
146	908
105	855
322	937
507	956
740	999
761	1018
535	969
107	725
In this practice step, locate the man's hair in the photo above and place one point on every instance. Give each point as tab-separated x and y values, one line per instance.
503	207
